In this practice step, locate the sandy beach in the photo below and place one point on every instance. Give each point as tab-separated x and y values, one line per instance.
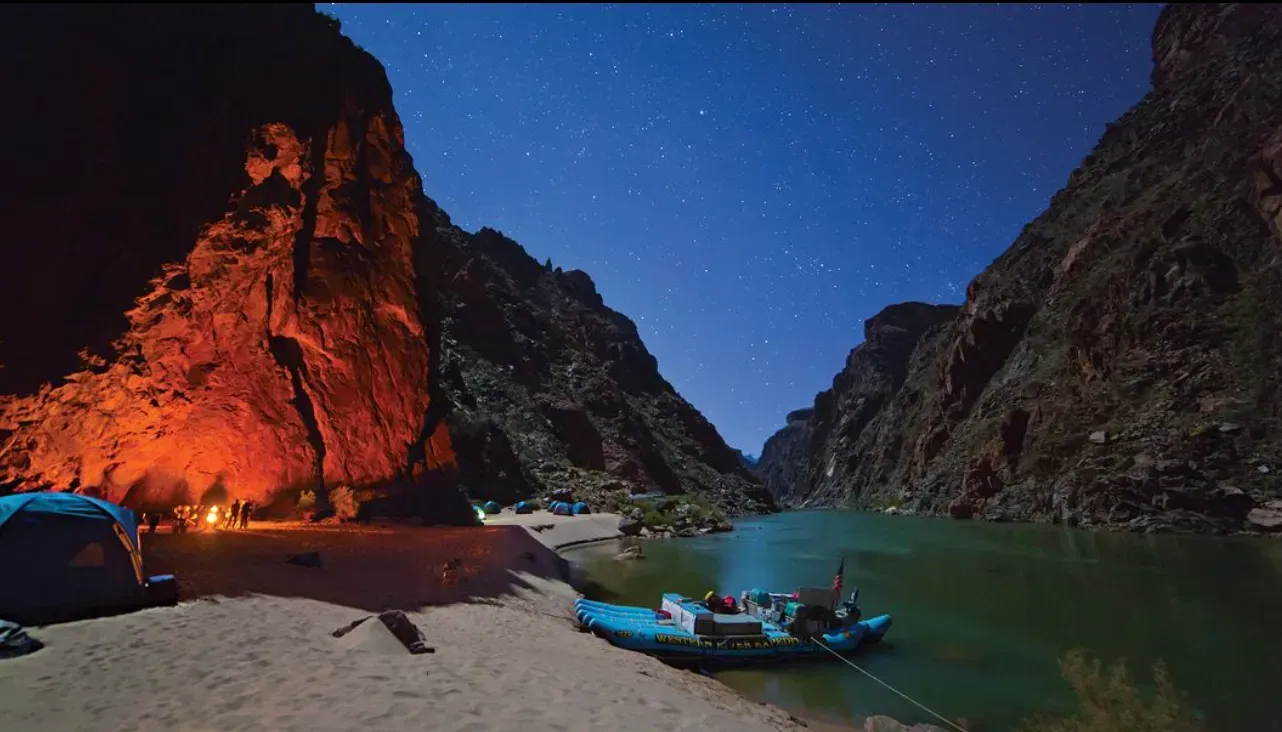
250	645
562	532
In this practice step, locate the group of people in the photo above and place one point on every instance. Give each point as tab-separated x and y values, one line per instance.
185	517
238	515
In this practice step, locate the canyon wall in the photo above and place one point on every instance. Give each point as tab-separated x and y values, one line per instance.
223	278
1118	365
553	390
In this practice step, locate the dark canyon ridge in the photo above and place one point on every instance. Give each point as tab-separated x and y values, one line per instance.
1118	365
225	280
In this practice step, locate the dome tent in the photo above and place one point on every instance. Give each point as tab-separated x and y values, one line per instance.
580	508
561	508
68	556
492	507
523	507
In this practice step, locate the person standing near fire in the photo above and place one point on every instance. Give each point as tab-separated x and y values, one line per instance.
246	508
233	515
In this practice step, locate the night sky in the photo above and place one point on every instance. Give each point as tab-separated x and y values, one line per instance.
748	183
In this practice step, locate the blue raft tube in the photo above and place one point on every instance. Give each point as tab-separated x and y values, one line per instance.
687	632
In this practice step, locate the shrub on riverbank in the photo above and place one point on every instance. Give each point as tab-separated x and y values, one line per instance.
1111	702
674	514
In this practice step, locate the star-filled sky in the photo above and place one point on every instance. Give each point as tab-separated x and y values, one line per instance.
749	183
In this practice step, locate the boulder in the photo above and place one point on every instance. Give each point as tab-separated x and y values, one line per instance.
630	526
631	553
1267	517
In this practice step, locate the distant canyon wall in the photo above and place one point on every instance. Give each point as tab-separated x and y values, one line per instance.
1118	365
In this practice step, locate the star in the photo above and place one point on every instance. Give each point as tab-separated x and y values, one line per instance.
859	156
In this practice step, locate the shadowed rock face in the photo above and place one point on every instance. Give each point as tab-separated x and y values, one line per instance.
817	445
552	390
215	251
784	459
1118	365
230	284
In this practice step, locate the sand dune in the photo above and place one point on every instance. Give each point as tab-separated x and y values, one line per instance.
254	651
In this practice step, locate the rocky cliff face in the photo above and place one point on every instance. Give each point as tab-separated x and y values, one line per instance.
225	280
814	451
215	289
552	390
1118	365
785	461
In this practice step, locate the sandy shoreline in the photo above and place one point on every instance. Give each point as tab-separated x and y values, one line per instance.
249	648
562	532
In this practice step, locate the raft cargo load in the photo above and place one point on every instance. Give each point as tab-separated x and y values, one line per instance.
685	631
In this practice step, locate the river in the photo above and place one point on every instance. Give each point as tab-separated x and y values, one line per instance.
982	611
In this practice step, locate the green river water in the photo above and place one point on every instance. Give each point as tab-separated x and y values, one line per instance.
982	612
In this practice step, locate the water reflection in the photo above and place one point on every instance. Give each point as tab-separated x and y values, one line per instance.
983	611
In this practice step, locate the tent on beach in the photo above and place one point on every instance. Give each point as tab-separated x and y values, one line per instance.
65	556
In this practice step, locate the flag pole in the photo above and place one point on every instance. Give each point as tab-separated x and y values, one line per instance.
837	582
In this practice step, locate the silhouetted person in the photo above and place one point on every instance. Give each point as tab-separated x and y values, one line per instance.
246	508
153	520
233	514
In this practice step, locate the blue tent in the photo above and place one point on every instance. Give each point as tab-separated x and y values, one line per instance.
580	508
523	507
66	556
491	507
561	508
69	504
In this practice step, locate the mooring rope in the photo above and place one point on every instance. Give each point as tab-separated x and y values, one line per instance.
925	708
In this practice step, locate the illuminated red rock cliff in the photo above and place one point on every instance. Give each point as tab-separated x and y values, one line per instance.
223	279
234	180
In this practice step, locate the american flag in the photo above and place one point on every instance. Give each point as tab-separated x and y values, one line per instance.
837	581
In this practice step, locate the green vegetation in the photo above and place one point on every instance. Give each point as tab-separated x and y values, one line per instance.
652	517
1110	702
696	510
306	503
344	502
664	510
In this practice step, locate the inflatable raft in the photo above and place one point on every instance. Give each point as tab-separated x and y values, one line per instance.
685	631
